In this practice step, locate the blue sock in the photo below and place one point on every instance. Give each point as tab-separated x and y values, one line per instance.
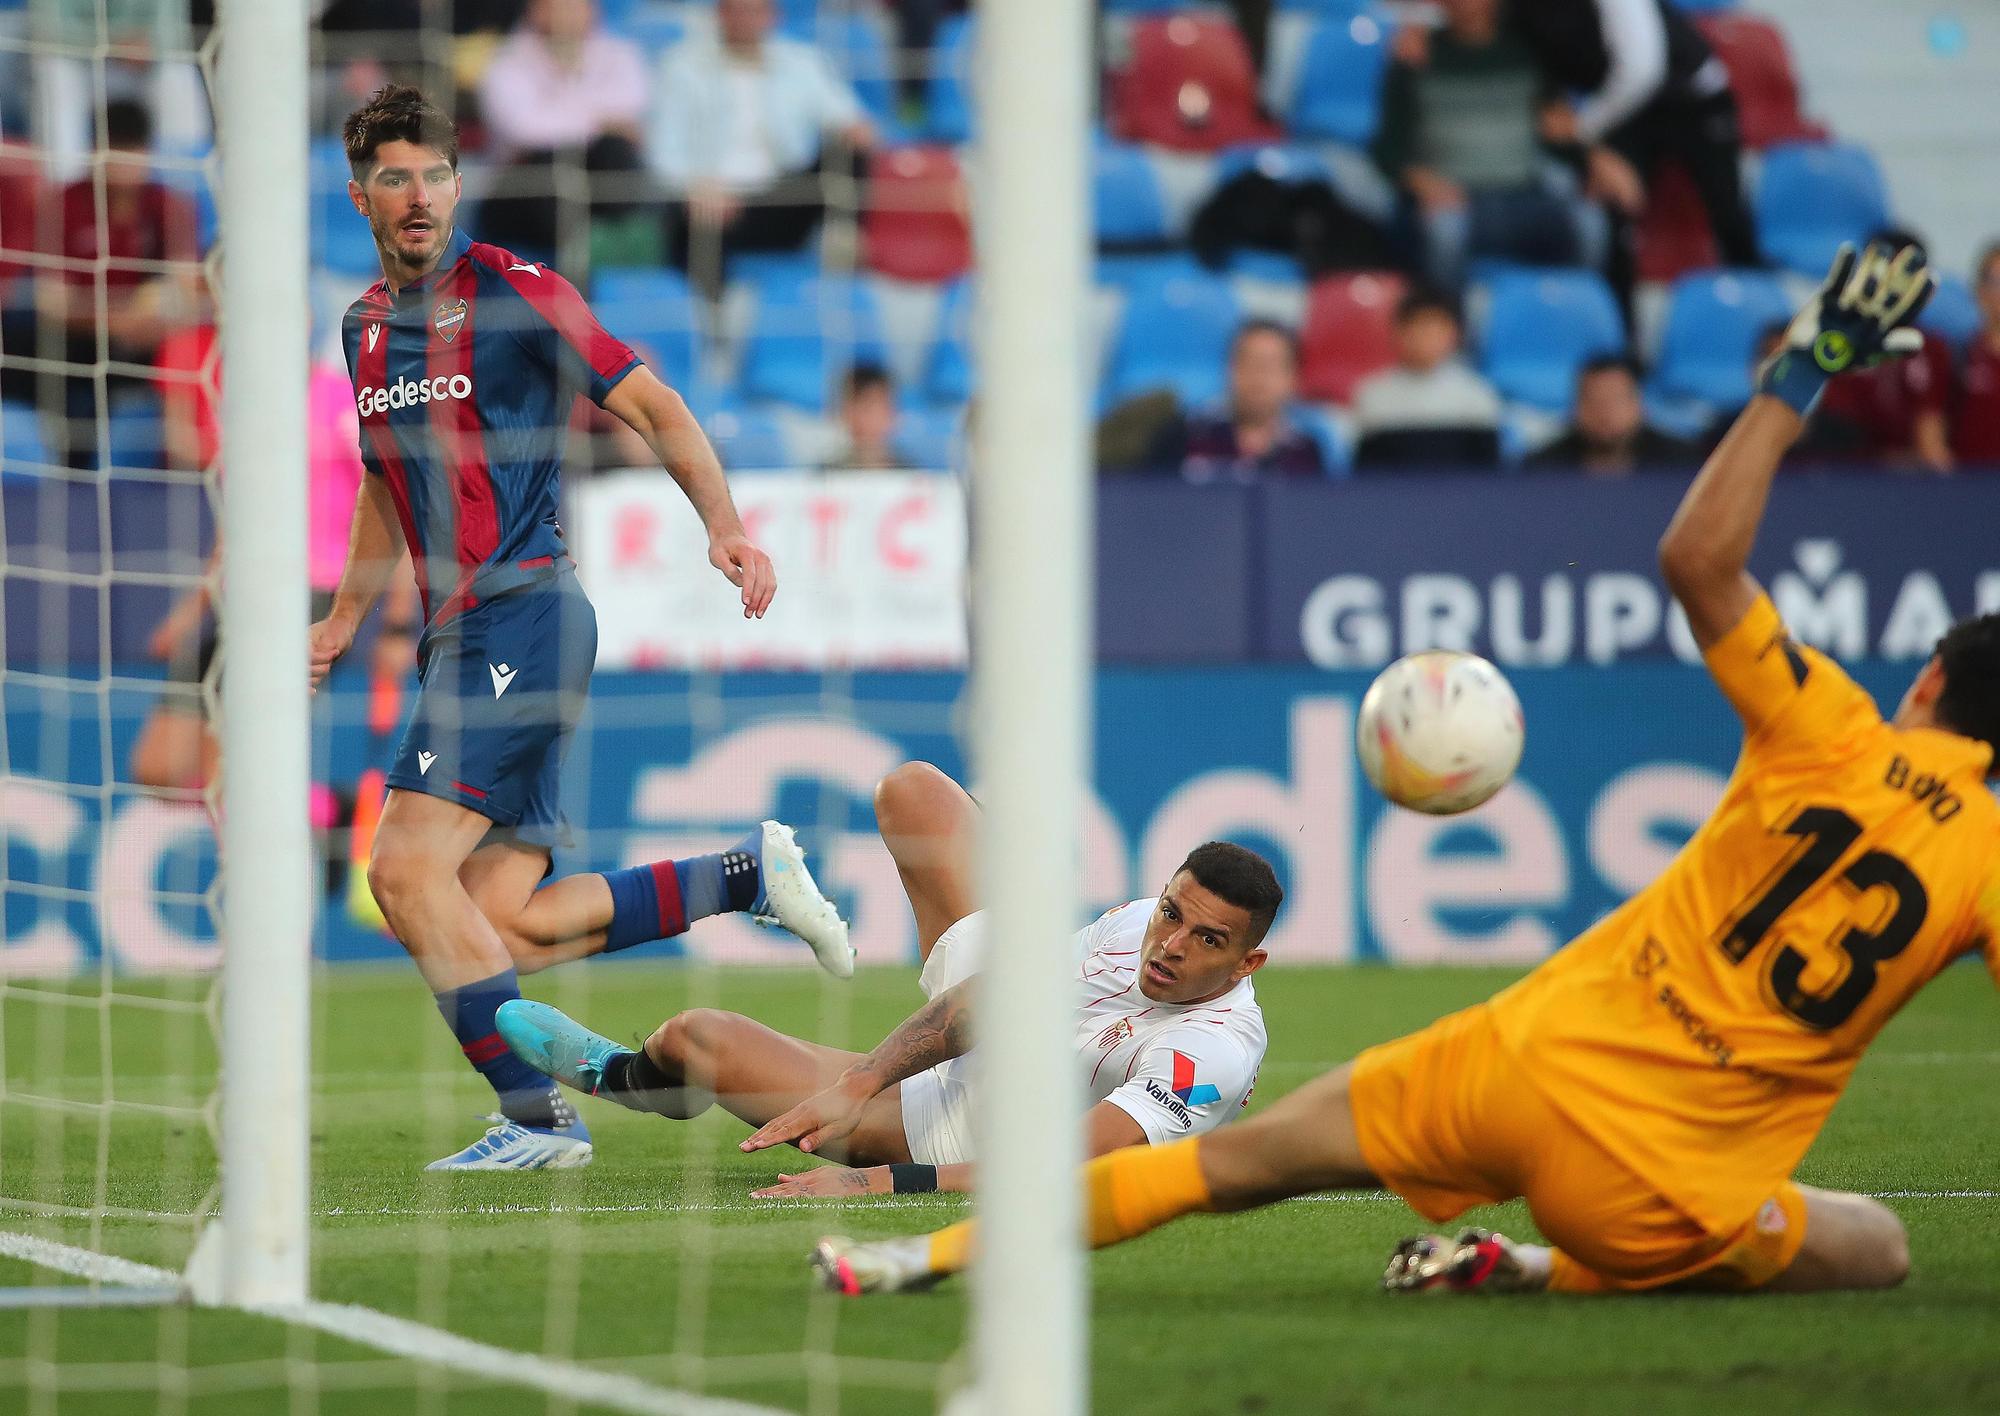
525	1095
661	900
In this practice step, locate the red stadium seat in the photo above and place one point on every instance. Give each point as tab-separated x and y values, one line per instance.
1760	71
915	226
1350	333
1188	85
1674	236
20	208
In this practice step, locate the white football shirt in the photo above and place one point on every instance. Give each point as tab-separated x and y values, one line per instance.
1178	1069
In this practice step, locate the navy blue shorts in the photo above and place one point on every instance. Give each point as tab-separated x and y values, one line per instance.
503	686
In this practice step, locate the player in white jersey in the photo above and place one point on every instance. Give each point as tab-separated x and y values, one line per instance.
1168	1033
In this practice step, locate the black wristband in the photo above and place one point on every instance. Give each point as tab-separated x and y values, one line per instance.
912	1179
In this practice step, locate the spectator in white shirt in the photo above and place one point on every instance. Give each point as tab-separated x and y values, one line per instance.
744	128
1430	409
562	93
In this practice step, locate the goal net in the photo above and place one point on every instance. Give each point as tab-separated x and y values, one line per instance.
651	1280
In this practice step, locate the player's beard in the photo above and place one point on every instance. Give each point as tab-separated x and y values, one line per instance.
386	239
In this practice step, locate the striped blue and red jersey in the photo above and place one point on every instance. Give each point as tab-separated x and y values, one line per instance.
465	382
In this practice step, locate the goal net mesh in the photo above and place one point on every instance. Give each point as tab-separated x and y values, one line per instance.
651	1280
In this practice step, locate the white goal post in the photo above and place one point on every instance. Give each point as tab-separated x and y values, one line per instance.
267	916
1032	557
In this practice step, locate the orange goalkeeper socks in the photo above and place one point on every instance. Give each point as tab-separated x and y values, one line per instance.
1127	1193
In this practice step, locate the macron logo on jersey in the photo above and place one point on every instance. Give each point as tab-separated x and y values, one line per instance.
374	333
1184	1083
408	393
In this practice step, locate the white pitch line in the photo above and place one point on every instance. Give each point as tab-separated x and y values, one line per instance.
572	1381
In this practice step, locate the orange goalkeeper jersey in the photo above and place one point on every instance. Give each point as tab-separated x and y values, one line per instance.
1702	1031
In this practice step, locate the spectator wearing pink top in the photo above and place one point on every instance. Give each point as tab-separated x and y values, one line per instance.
175	749
563	100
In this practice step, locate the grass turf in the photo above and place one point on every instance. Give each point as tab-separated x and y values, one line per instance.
654	1261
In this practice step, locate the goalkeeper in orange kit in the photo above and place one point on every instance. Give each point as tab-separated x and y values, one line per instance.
1650	1089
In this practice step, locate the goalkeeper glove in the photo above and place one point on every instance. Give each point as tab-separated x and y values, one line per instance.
1860	316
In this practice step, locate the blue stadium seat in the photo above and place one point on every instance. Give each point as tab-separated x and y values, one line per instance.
658	311
1129	272
1713	320
1130	208
774	274
859	50
1813	196
799	347
928	438
340	238
137	434
1541	326
947	378
21	443
1953	313
1174	335
1706	7
654	29
1143	7
748	438
948	93
1330	8
1339	88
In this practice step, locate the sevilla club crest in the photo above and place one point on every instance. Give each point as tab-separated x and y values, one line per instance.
447	318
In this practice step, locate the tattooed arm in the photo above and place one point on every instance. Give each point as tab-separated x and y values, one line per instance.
936	1032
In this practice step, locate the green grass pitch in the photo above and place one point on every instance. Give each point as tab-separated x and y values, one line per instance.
654	1261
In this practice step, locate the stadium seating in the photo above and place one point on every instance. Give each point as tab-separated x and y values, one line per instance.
1174	335
1541	326
1130	209
1813	196
340	238
21	443
1706	7
1188	85
859	48
947	377
748	438
1673	235
1339	87
798	347
929	437
948	91
1761	73
1713	321
1349	333
916	226
658	311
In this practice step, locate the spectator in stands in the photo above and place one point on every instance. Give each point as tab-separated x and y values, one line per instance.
746	127
1976	436
563	102
1459	137
150	64
120	247
1652	89
1893	415
868	419
1608	433
1251	437
1429	409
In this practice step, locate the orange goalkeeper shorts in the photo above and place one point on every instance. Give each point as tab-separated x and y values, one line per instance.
1448	1119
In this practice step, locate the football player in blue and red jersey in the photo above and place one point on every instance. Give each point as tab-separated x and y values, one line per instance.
466	361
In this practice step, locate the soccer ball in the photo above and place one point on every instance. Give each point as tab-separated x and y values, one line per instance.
1439	732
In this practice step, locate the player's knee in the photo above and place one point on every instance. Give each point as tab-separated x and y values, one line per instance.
1887	1262
691	1041
400	878
908	799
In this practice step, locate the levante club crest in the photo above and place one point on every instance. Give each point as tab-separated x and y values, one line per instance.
447	318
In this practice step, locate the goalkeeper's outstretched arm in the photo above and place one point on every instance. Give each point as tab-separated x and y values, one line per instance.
1860	316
